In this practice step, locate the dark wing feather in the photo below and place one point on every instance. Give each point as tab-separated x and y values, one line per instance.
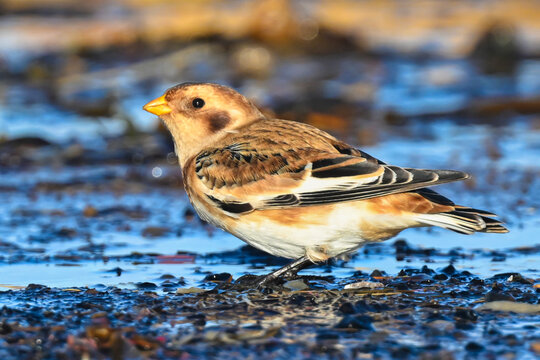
385	185
317	177
238	165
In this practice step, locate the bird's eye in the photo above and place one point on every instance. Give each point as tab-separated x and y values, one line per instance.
198	103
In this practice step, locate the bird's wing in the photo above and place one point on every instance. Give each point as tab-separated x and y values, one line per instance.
240	179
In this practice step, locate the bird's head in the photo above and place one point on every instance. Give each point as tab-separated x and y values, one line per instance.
197	115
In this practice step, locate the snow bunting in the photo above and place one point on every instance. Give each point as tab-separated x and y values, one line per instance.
292	190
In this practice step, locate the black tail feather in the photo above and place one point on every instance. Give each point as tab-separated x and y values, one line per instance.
465	221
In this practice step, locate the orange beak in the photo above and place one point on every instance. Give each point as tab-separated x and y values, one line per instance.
158	106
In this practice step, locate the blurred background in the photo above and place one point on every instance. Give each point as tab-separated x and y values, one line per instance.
97	233
352	67
88	176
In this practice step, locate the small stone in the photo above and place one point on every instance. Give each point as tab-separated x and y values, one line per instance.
474	347
347	308
440	277
296	285
427	270
449	270
218	278
167	277
466	314
35	287
364	285
101	333
358	322
401	286
441	326
189	214
476	282
144	343
299	299
327	336
359	307
198	320
169	284
511	306
518	278
496	295
362	306
155	231
90	211
146	285
117	270
5	328
190	290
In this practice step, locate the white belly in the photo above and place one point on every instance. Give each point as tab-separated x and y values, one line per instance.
339	233
293	243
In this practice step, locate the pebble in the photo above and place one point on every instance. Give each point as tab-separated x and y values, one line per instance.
466	314
449	270
296	285
377	274
218	278
146	285
358	322
518	278
190	290
510	306
5	328
90	211
364	285
496	295
155	231
474	347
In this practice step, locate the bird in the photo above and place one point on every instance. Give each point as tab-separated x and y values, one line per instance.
292	190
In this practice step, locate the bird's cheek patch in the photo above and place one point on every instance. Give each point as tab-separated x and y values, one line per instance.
218	120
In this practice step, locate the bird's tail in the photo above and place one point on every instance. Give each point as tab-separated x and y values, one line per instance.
464	220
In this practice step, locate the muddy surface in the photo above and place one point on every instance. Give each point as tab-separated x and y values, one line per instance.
101	255
421	312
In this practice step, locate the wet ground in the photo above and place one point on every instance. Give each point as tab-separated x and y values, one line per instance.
101	255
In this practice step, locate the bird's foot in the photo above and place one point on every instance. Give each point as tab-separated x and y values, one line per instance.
289	271
265	281
273	280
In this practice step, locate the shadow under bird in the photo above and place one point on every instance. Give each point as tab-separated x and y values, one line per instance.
295	191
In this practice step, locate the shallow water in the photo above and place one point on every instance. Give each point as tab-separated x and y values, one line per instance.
48	240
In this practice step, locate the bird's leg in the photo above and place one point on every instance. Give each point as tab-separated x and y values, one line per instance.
289	270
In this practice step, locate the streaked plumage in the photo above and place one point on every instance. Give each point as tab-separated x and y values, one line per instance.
293	190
